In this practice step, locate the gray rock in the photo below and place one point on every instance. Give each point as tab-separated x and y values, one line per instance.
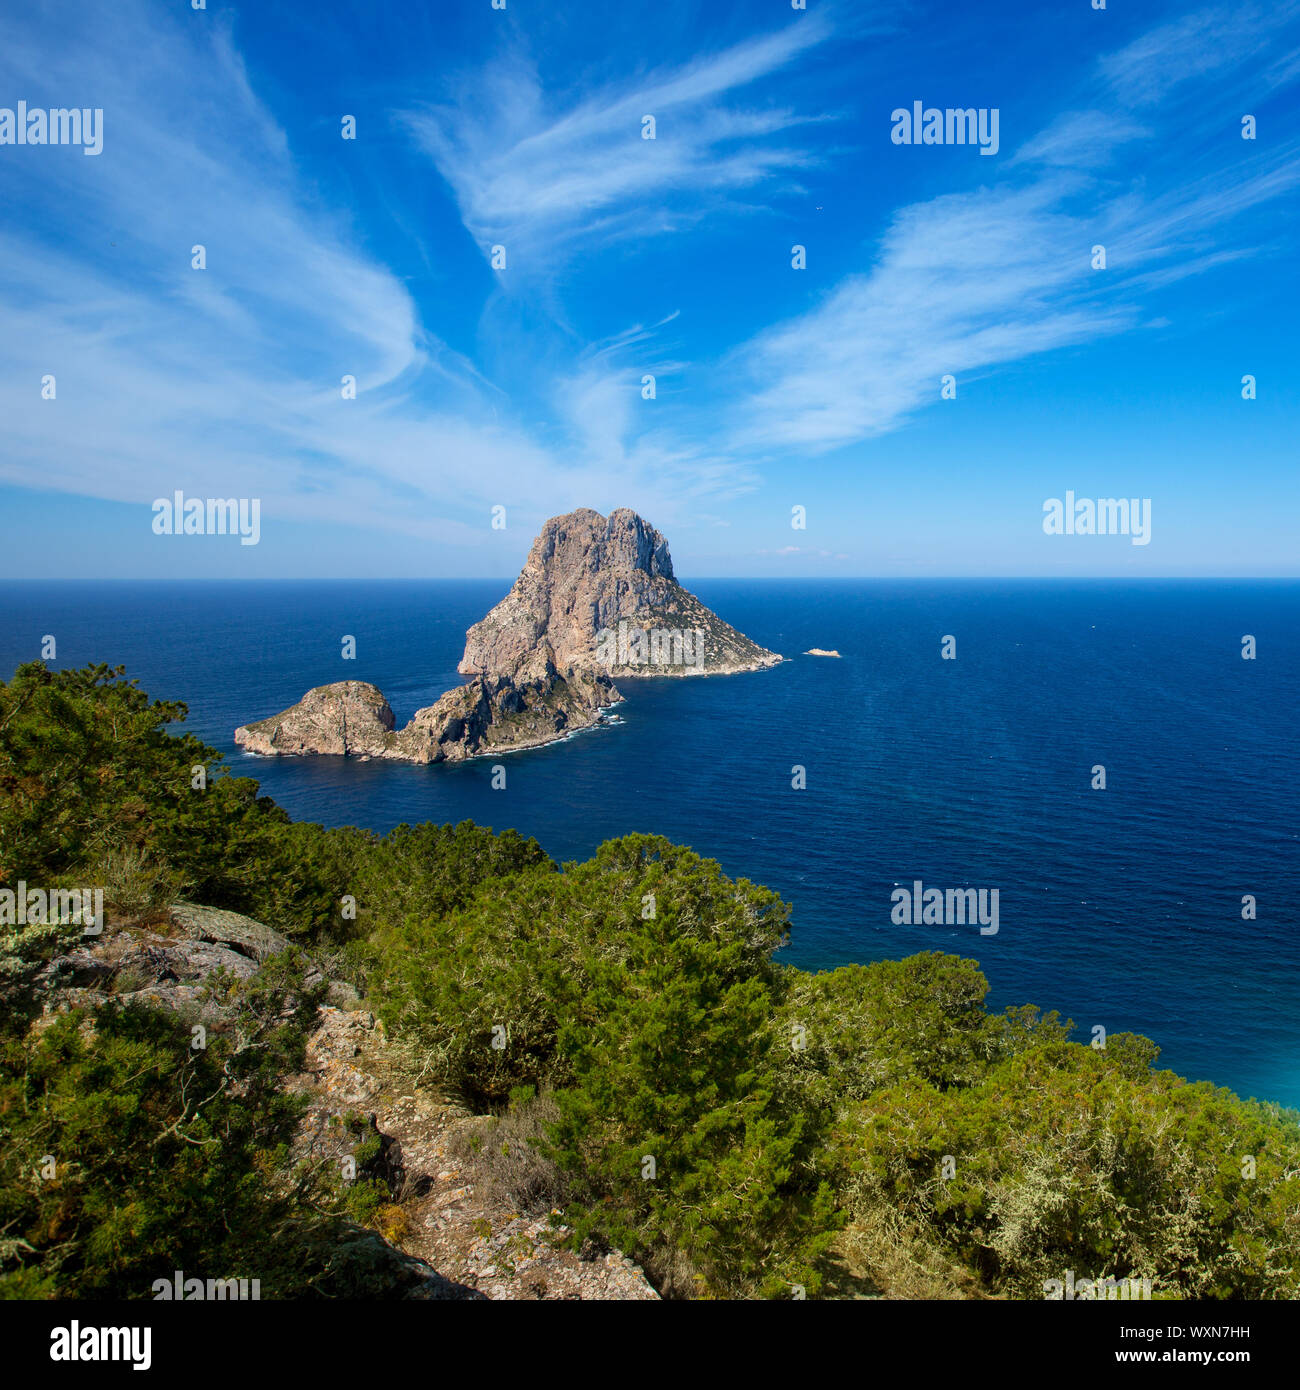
364	1265
587	574
341	995
345	717
184	962
230	929
78	969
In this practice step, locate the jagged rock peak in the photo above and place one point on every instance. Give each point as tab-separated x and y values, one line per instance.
590	585
623	540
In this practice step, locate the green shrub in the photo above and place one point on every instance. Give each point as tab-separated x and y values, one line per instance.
127	1154
92	783
639	987
1066	1158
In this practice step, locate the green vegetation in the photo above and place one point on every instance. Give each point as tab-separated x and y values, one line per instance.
128	1155
738	1126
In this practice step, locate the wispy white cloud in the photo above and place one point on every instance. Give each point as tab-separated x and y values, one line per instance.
533	178
1210	40
227	381
961	283
966	282
1081	140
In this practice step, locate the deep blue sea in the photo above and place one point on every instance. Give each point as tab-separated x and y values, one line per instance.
1119	907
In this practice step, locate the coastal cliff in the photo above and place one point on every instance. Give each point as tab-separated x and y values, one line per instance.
596	598
346	717
489	713
601	592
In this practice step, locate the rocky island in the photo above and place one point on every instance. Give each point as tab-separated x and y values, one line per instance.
597	598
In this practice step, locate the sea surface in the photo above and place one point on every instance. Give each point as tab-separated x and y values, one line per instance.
1120	907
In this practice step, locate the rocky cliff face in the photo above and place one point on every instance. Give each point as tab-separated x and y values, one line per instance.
489	713
597	598
346	717
600	593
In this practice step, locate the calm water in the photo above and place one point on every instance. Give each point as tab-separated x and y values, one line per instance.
1120	907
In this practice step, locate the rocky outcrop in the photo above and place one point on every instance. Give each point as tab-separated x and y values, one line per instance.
229	929
488	714
169	967
498	713
445	1235
600	592
596	599
346	717
444	1214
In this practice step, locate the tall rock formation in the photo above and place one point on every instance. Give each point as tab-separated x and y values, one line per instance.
601	593
597	598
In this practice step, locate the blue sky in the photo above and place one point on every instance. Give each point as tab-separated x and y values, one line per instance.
776	387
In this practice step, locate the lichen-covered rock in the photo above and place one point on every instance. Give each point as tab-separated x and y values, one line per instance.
228	929
142	966
167	970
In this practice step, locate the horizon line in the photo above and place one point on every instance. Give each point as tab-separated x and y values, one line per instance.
706	578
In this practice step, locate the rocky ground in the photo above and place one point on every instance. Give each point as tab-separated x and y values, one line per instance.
441	1217
444	1237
